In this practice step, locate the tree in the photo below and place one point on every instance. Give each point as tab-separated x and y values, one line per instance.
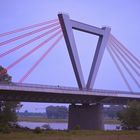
4	77
130	116
112	111
7	108
57	112
8	112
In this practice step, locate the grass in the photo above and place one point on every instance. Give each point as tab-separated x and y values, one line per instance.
40	119
73	135
44	119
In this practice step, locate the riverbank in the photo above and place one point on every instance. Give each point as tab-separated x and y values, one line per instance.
40	119
72	135
46	120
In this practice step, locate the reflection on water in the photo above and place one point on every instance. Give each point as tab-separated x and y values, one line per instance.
61	126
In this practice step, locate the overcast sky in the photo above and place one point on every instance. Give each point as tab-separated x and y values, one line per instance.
123	16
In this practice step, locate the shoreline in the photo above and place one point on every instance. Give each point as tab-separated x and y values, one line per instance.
46	120
41	119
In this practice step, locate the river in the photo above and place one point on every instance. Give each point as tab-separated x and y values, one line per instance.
61	126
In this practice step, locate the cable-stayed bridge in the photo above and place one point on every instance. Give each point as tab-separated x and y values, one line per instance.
91	99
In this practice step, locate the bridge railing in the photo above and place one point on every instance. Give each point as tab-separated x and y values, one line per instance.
66	88
39	86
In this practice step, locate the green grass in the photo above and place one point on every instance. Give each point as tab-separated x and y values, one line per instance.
40	119
44	119
73	135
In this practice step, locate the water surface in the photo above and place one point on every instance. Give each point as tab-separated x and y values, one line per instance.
60	126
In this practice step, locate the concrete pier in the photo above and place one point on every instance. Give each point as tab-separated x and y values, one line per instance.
87	117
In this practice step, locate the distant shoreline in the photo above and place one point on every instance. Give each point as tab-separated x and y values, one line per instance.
41	119
46	120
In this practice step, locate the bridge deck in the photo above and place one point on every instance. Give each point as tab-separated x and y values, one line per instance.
58	94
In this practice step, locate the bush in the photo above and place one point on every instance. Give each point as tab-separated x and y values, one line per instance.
37	130
5	129
46	126
77	127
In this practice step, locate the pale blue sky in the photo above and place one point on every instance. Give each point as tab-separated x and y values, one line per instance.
123	16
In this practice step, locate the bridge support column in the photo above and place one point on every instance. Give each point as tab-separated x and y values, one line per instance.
87	117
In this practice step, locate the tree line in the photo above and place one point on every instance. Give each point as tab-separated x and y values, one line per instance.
57	112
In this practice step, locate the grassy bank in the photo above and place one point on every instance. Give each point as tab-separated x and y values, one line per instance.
44	119
40	119
73	135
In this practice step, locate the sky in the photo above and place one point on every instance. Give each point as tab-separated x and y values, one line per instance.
56	69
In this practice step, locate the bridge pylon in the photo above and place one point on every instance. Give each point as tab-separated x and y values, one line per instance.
103	33
86	117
